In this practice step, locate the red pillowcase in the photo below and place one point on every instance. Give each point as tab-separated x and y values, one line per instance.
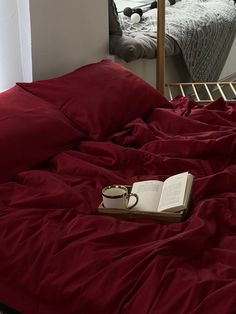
99	98
31	132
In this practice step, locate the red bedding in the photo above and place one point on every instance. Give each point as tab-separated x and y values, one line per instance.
58	256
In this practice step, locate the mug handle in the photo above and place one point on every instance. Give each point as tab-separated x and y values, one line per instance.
135	203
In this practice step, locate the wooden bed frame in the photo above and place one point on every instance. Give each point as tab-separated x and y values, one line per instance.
210	90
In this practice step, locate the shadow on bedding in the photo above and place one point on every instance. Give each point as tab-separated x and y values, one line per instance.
7	310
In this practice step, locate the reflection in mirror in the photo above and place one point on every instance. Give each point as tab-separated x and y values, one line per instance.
122	4
201	33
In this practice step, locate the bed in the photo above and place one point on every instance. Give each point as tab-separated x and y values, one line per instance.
201	33
95	126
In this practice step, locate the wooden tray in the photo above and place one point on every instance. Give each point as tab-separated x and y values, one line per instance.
129	214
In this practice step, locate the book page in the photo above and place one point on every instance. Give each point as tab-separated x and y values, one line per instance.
173	192
149	193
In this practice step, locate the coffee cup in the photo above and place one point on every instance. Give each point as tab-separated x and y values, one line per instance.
118	196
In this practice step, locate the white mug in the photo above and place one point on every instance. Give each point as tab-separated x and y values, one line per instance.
117	196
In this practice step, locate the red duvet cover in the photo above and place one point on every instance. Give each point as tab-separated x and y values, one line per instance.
58	256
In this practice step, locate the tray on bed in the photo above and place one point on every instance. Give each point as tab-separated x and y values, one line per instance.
128	214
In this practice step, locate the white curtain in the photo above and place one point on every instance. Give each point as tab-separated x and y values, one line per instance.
15	43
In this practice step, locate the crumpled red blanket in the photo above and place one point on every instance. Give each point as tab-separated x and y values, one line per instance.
57	255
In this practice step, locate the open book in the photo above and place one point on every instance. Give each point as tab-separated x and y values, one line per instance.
166	200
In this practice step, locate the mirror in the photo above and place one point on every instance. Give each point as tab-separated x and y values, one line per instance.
199	35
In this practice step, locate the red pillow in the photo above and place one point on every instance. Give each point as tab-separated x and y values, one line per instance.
31	132
100	98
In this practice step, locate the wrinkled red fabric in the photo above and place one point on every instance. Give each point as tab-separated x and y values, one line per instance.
100	98
57	255
31	131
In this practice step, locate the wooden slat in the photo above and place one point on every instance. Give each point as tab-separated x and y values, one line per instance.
233	89
182	90
208	91
170	93
219	86
160	70
221	91
195	91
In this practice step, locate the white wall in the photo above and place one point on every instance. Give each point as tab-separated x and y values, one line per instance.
67	34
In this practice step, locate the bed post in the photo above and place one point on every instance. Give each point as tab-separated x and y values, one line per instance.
160	63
